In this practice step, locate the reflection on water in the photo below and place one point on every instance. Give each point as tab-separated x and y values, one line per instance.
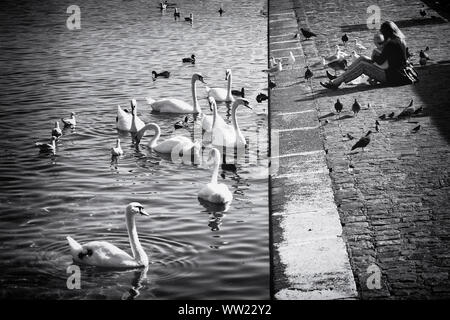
49	71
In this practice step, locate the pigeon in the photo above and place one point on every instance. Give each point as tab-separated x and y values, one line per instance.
307	33
272	84
382	117
408	111
296	36
56	132
363	142
377	126
272	62
117	150
308	73
338	106
418	110
391	115
356	107
424	57
47	147
261	97
164	74
181	124
344	39
221	11
70	122
291	59
338	65
416	129
238	93
190	18
423	12
350	137
176	14
191	59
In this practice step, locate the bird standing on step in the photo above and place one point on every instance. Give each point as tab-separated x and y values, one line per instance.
350	137
307	33
291	59
308	73
423	12
408	111
391	115
338	106
344	39
363	142
356	107
382	117
261	97
424	57
416	129
377	126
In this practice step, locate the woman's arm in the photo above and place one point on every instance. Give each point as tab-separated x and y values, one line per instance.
383	56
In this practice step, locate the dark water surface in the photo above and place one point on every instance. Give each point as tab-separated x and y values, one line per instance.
47	71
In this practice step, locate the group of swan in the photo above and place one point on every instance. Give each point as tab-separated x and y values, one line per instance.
56	134
105	254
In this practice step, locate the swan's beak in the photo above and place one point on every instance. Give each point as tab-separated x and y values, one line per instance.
143	212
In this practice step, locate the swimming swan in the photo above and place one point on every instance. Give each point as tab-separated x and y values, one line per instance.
178	106
177	143
229	135
70	122
215	192
220	94
126	121
117	150
105	254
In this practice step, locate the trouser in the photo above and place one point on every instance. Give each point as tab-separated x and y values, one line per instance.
359	67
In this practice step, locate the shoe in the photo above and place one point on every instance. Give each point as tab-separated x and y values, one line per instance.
329	85
330	76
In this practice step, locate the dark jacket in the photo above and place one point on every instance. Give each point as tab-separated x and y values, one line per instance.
394	52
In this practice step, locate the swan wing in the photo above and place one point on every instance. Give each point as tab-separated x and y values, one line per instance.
219	94
216	193
123	120
223	134
167	145
103	254
207	123
172	106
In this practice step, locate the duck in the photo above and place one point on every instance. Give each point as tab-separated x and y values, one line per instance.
220	94
182	123
190	59
56	131
47	147
224	134
105	254
239	93
169	145
70	122
215	192
221	11
176	14
261	97
164	74
117	150
190	18
208	120
171	105
126	121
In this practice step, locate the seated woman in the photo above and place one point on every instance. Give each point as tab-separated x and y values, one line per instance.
393	52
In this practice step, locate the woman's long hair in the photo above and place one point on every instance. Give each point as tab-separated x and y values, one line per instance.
390	30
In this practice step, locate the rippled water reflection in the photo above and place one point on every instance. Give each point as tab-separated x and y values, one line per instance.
49	71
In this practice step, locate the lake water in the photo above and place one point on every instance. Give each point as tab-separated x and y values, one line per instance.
47	71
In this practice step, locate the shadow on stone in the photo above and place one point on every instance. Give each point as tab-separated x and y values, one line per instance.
400	23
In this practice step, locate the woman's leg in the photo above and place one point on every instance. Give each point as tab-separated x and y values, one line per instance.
362	67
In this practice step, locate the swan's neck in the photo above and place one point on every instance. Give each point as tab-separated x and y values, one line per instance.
133	120
239	135
215	114
215	169
194	96
154	140
136	248
229	86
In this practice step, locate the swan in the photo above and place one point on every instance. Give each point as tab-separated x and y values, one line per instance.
229	135
208	120
179	143
70	122
117	150
105	254
126	121
47	147
220	94
56	132
215	192
171	105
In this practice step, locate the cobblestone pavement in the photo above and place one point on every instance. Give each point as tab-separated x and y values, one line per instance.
393	197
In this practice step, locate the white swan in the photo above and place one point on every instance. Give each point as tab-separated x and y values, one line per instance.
105	254
208	120
215	192
175	143
128	121
229	135
70	122
178	106
220	94
117	150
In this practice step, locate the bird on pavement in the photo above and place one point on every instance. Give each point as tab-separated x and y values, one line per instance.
272	84
338	106
418	110
344	39
382	117
307	33
308	73
377	126
391	115
423	12
424	57
408	111
416	129
291	59
261	97
356	107
350	137
363	142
